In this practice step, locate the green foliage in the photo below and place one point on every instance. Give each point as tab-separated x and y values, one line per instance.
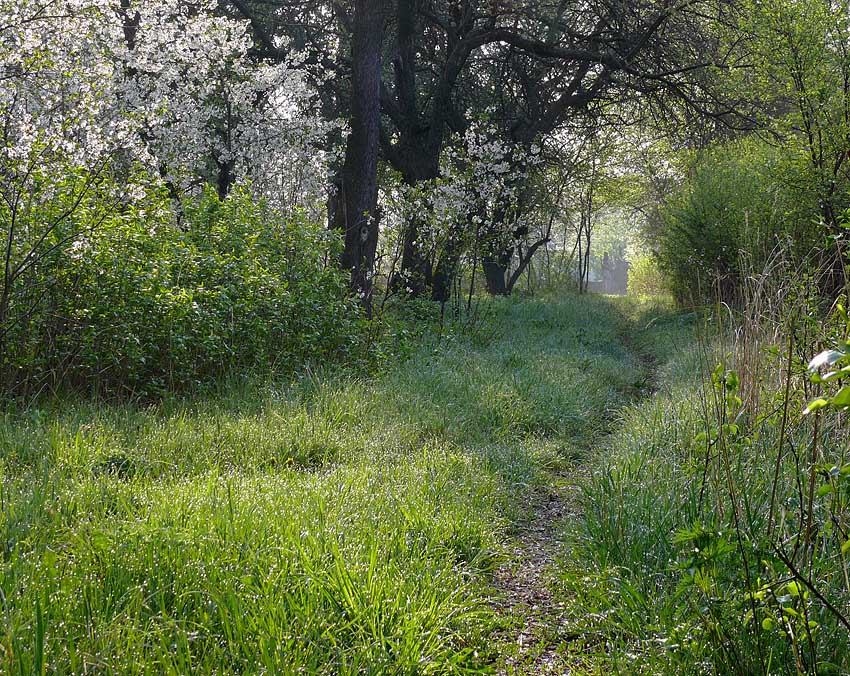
788	187
733	212
645	278
716	543
836	361
134	304
798	57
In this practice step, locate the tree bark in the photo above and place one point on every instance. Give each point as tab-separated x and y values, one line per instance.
496	272
444	274
524	262
446	267
356	212
415	274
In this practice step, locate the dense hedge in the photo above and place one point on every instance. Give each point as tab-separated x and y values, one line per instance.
742	204
138	305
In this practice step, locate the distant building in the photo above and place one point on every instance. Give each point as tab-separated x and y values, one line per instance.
615	276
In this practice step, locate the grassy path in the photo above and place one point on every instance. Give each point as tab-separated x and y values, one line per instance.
329	526
525	581
543	632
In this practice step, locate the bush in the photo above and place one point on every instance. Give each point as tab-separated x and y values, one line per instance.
645	278
139	306
712	541
739	204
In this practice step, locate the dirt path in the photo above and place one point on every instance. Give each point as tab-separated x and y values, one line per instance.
537	640
524	584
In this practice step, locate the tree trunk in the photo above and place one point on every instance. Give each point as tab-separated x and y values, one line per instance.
445	272
497	259
494	276
225	178
524	262
418	163
415	274
356	212
496	273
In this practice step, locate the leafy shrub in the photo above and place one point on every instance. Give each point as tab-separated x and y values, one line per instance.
739	204
645	278
137	305
716	523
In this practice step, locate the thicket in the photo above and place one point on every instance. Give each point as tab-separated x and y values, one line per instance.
717	521
125	300
741	204
646	280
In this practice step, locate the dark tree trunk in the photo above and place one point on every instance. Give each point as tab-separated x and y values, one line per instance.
415	273
497	257
418	163
356	207
496	273
414	155
225	178
494	276
524	262
445	271
421	129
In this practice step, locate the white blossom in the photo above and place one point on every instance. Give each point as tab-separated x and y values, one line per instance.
175	92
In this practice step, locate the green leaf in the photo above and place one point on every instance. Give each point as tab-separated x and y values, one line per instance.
845	547
717	375
816	405
767	624
49	560
842	398
825	358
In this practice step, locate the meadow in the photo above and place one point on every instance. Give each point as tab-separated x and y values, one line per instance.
331	524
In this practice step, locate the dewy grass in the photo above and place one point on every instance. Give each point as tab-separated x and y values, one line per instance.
665	575
327	526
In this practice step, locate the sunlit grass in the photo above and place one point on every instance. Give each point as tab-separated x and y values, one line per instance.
637	606
330	525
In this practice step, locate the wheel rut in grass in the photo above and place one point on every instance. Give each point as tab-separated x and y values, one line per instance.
539	626
524	583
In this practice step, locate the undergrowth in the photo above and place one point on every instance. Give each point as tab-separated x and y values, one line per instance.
714	527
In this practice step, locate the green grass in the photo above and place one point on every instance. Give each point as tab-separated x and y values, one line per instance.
331	525
620	579
655	578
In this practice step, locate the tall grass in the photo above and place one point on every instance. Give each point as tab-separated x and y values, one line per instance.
714	521
329	525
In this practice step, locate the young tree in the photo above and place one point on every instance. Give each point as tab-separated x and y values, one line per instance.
801	54
58	132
